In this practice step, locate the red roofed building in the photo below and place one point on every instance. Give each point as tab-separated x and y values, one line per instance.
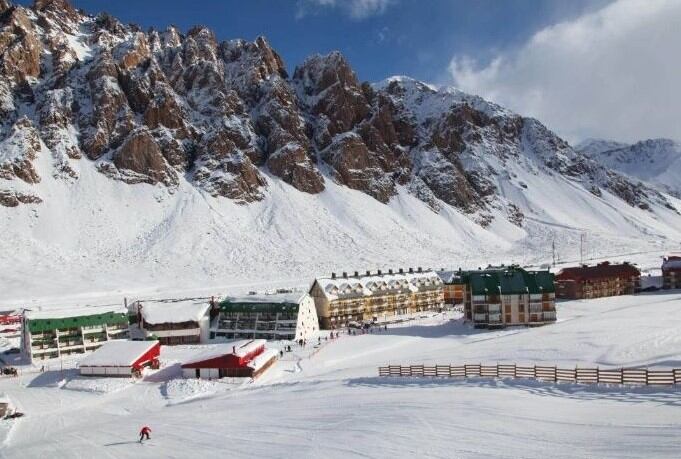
603	279
671	272
247	358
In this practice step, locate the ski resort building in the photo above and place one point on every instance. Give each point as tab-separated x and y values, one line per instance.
239	359
171	322
59	332
289	316
502	296
453	287
671	272
121	358
375	297
603	279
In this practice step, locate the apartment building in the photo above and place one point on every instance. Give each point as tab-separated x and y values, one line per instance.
373	297
56	332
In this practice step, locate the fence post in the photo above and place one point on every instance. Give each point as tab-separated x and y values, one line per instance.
598	375
497	369
534	371
647	382
515	371
621	376
555	373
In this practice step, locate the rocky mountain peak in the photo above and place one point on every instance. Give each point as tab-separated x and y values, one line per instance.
158	108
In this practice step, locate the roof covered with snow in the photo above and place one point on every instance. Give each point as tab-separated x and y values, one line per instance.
68	312
212	351
672	262
159	312
117	353
378	284
290	297
281	302
600	271
261	360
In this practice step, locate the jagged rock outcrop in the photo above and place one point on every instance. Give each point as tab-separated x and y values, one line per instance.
158	107
18	151
139	159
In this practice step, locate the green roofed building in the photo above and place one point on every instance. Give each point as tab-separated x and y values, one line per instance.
501	296
275	317
59	332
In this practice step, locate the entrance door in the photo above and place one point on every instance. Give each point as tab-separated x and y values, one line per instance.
198	373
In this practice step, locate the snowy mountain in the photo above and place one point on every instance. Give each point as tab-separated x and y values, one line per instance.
655	161
131	158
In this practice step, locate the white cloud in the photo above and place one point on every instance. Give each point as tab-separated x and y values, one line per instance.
614	73
356	9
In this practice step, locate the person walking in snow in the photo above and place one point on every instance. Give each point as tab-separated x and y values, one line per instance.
145	433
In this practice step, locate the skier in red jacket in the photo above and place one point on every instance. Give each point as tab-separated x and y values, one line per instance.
144	433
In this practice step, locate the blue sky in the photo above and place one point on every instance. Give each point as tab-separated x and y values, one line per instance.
380	38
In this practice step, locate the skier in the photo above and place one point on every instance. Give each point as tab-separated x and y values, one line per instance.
144	433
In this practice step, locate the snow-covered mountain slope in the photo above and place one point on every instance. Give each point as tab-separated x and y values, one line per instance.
655	161
132	160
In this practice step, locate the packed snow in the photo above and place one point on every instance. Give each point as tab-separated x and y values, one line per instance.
327	400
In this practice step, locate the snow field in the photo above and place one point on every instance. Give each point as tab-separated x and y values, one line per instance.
330	402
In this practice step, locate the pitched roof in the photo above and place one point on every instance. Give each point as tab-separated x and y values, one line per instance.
672	262
117	353
603	270
282	302
211	351
157	312
510	280
50	319
377	284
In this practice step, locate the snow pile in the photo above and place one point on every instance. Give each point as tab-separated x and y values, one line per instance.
97	385
182	390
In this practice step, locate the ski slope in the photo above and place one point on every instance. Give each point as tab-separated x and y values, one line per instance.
331	403
97	240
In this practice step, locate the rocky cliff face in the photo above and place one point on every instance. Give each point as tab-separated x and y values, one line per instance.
161	106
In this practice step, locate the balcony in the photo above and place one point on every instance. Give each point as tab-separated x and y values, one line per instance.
494	318
494	309
550	315
480	317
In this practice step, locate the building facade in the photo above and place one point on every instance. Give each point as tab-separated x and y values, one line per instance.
57	333
171	322
671	272
239	359
121	359
340	300
274	317
503	296
453	288
601	280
